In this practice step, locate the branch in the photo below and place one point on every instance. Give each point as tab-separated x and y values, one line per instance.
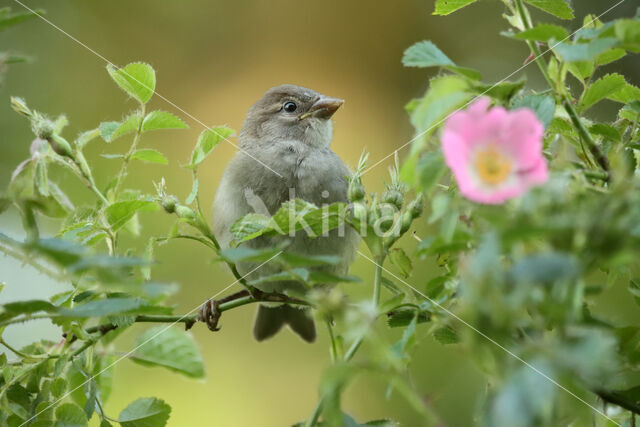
594	148
190	319
620	400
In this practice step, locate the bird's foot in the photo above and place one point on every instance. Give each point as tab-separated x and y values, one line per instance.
210	314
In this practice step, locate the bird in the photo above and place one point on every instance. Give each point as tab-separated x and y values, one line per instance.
288	131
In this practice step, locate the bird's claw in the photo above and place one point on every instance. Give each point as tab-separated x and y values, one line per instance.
210	314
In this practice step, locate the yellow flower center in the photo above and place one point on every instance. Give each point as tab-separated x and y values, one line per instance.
492	166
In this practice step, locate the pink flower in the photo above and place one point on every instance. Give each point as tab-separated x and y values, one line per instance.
495	154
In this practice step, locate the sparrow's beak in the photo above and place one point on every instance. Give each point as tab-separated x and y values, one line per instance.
323	108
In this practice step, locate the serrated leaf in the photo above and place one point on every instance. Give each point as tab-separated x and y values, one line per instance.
502	91
58	387
130	124
543	105
137	79
150	156
558	8
543	33
106	129
399	258
626	95
291	217
156	120
445	7
607	131
13	309
207	141
601	89
588	51
104	307
10	19
429	170
426	54
446	335
70	415
87	136
145	412
170	348
119	213
628	32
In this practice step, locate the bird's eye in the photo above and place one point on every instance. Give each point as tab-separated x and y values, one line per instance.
289	107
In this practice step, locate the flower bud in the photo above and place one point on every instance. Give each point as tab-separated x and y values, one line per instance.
356	190
416	206
393	197
169	204
406	221
60	145
185	212
20	106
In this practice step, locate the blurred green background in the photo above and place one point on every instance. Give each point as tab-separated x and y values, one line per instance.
214	59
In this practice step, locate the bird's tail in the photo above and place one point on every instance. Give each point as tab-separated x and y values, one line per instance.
270	320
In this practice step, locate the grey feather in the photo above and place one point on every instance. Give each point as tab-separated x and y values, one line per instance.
298	149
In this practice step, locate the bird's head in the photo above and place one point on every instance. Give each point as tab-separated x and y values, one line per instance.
292	113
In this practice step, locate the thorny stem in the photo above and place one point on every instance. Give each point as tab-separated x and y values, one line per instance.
594	148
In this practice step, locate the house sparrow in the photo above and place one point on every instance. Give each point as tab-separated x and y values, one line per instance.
289	130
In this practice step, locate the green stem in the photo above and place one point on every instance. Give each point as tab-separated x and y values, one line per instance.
377	283
130	153
334	345
21	354
594	148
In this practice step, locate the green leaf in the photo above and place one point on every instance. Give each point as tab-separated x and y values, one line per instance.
58	387
293	216
119	213
107	128
601	89
9	19
137	79
558	8
607	131
445	7
87	136
446	335
13	309
170	348
429	170
610	56
399	258
543	33
634	289
130	124
502	91
145	412
104	307
627	94
207	141
628	32
236	255
588	51
150	156
425	54
70	415
162	120
543	105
